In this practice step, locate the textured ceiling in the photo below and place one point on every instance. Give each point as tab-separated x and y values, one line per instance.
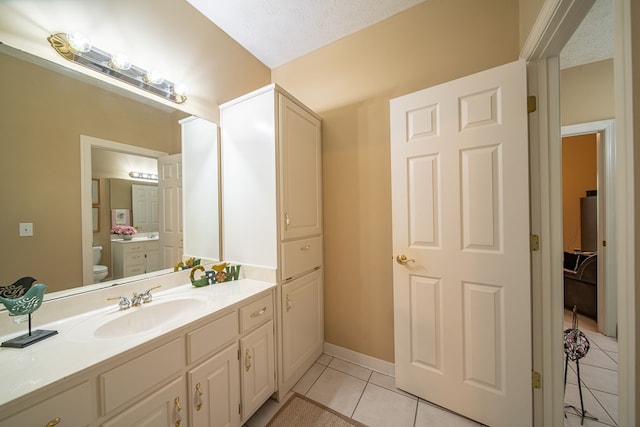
278	31
593	40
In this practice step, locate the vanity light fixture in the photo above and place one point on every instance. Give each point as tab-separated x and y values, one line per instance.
77	48
144	175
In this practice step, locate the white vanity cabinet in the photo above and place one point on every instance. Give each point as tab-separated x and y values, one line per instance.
130	258
215	371
272	207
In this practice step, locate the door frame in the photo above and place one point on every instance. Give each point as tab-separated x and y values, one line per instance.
605	134
555	24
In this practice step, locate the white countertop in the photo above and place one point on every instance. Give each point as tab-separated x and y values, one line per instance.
74	348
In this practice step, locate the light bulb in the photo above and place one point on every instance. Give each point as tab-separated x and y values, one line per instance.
79	42
154	77
180	89
120	61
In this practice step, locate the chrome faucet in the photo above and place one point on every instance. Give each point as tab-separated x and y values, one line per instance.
136	300
146	295
123	304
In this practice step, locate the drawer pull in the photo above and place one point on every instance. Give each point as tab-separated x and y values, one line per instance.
198	397
287	220
247	360
305	248
259	313
178	407
53	422
288	303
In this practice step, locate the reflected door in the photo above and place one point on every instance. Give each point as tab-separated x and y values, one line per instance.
170	210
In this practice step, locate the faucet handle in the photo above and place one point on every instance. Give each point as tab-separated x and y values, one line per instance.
123	304
146	295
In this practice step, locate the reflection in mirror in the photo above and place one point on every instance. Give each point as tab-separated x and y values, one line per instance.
48	111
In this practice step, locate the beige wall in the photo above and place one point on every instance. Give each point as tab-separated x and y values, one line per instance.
586	93
528	13
349	83
579	174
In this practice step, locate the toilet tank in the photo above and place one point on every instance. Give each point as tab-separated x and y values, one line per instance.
97	254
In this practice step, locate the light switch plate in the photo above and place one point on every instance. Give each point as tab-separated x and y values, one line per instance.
26	229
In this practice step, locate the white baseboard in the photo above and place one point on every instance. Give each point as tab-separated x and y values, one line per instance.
360	359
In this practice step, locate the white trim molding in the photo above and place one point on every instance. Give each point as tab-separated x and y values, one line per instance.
360	359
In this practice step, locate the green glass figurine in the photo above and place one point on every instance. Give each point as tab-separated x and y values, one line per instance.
26	304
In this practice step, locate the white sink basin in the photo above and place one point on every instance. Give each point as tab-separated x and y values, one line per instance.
135	320
145	317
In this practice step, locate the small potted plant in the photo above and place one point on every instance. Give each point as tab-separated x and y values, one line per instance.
124	231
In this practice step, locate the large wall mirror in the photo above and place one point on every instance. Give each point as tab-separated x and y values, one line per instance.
47	109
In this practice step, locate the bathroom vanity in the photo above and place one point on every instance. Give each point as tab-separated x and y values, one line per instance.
134	257
191	357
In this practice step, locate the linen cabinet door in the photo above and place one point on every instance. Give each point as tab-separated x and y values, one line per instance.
258	368
302	326
300	171
214	390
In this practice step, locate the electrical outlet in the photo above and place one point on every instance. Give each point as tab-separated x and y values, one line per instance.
26	229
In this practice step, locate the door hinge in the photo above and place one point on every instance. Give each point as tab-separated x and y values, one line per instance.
532	104
536	379
238	354
535	243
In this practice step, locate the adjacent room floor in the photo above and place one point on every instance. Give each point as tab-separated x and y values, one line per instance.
372	398
599	375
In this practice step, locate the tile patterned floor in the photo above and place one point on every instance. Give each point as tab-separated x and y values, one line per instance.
372	398
364	395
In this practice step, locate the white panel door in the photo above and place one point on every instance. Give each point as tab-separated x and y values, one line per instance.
170	209
460	193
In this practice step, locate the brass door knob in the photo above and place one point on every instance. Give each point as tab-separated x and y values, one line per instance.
403	260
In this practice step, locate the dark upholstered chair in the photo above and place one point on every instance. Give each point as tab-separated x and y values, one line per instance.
581	283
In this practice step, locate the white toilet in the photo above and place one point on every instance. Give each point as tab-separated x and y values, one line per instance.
99	271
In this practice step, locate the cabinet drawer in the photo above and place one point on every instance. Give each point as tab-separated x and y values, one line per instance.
135	258
127	381
256	312
133	247
73	407
300	256
212	336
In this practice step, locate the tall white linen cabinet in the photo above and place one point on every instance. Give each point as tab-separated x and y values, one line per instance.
272	215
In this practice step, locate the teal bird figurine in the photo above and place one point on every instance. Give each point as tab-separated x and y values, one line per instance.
27	303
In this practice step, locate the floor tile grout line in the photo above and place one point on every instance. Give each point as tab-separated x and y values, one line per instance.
604	408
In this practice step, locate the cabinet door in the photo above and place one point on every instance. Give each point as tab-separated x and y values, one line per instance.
302	326
154	261
258	368
300	171
214	390
165	407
